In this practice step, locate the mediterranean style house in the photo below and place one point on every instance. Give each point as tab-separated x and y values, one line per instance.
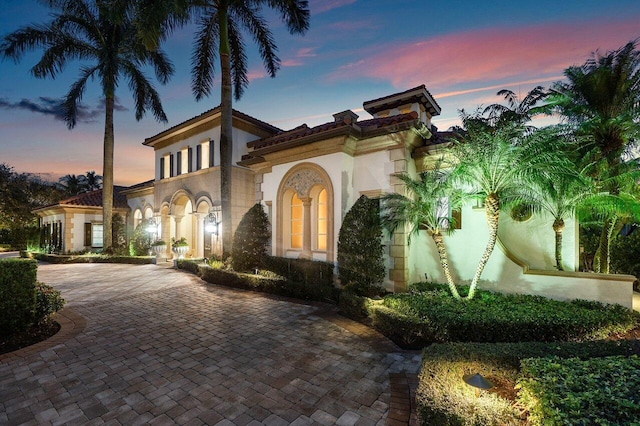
307	179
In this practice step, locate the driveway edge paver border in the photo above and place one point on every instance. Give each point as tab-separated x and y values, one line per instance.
71	324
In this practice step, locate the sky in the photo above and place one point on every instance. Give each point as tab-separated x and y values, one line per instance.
464	51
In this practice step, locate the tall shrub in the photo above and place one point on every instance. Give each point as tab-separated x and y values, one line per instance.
251	240
141	240
360	263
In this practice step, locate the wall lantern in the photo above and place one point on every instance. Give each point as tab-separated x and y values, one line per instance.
212	222
478	382
152	226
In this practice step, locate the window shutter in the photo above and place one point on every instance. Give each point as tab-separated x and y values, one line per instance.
211	157
198	157
179	161
171	169
161	169
190	157
87	234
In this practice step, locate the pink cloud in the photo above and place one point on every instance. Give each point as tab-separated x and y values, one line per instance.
292	63
320	6
306	52
464	60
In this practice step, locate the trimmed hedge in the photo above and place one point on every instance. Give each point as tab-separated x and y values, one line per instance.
443	398
434	316
94	258
572	391
17	294
308	272
265	281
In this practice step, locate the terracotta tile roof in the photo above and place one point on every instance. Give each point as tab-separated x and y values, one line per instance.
141	185
94	199
359	127
211	112
417	94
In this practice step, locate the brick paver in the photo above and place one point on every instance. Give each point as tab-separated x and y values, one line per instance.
149	345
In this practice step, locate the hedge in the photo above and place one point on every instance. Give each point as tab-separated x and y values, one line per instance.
94	258
265	281
572	391
495	317
443	398
17	294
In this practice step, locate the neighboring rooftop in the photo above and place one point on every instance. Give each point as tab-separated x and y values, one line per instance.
92	199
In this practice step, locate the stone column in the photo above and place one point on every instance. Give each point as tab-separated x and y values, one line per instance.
198	250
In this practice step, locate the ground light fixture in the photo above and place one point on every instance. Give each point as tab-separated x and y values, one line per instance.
477	382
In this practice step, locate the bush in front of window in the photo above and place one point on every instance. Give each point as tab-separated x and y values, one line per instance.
360	262
251	240
141	240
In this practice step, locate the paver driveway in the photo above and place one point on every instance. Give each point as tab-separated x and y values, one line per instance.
162	347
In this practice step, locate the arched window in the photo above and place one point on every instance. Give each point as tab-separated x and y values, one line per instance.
137	218
322	218
297	222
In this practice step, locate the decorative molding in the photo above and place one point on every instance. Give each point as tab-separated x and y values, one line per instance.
302	181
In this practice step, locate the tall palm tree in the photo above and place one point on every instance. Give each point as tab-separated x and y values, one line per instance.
220	40
601	99
427	206
493	164
220	37
72	184
100	33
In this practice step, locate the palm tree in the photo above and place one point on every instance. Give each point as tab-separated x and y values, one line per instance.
427	207
220	39
493	164
601	99
92	180
517	110
220	36
72	184
102	33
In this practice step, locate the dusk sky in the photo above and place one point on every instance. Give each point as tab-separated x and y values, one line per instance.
356	50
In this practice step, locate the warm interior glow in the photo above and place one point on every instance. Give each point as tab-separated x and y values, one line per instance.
297	217
322	220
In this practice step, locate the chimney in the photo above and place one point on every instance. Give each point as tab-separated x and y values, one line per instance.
348	117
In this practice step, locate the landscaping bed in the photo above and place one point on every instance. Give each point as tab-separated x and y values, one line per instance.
91	258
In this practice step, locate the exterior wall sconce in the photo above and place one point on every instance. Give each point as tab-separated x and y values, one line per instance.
478	382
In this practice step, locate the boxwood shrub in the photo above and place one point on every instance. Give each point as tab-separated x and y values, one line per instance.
443	398
264	281
573	391
17	294
48	301
495	317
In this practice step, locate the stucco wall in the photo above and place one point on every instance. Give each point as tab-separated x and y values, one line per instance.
506	272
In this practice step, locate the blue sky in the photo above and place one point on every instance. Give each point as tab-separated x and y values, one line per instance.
356	50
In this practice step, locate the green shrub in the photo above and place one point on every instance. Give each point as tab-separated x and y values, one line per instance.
353	306
141	240
93	258
305	271
571	391
17	294
495	317
251	240
265	281
360	250
625	255
443	398
48	301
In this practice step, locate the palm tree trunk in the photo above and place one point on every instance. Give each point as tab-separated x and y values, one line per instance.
444	261
602	259
226	129
492	211
107	174
558	227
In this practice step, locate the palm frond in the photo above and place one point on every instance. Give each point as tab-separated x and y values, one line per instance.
204	55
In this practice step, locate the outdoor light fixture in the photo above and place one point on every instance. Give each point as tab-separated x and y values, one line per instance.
478	382
213	222
152	226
